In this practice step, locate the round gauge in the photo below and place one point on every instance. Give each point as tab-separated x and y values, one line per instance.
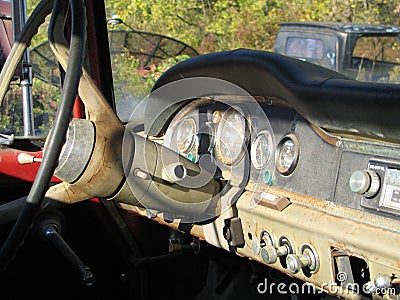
288	154
231	137
186	135
261	150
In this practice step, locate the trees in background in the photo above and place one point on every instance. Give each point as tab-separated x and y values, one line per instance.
206	25
216	25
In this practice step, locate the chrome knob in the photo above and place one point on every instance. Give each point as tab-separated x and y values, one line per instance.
307	259
366	183
295	263
383	281
256	246
380	283
269	254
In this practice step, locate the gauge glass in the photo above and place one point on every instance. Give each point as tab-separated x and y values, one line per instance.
288	154
212	130
186	135
231	137
207	138
261	150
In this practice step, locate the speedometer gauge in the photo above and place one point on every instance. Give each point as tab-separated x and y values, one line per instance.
186	135
261	150
288	154
232	134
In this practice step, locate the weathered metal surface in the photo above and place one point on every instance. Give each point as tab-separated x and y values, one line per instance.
371	147
103	173
325	226
347	28
195	230
327	138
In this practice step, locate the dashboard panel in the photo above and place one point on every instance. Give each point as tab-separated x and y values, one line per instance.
297	209
310	176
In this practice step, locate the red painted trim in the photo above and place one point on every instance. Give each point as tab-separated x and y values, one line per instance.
79	109
92	43
10	166
95	200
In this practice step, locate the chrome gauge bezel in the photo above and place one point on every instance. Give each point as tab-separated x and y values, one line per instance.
286	170
192	136
221	130
265	134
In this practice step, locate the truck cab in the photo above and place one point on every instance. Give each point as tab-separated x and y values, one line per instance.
362	52
244	174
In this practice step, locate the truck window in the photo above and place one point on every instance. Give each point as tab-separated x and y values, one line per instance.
385	49
306	48
376	59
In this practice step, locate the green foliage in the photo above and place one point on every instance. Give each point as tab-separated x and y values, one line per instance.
394	75
217	25
131	81
41	35
45	98
11	111
208	26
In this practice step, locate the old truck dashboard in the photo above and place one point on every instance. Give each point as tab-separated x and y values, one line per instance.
306	160
268	158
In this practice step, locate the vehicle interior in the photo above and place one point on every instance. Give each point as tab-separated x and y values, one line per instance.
242	174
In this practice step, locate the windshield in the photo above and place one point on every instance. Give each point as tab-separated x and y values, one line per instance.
29	106
138	59
148	37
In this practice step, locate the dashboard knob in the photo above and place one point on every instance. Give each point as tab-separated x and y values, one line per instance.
256	246
268	250
380	283
307	259
269	254
366	183
383	281
294	263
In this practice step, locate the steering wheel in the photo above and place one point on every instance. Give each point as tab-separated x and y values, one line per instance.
103	172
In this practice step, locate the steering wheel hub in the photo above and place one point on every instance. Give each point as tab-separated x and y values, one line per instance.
77	150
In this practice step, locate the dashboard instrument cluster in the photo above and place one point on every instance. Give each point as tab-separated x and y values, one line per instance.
308	200
238	138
